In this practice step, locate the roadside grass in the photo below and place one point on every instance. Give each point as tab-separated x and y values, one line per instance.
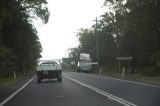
137	76
4	82
7	81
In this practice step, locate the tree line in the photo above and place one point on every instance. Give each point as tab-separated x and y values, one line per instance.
131	28
19	44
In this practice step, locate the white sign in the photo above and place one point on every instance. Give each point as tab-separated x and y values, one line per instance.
84	56
124	58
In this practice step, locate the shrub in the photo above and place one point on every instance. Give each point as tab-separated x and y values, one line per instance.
152	71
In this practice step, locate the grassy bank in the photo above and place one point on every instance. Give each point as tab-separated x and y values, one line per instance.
10	80
138	75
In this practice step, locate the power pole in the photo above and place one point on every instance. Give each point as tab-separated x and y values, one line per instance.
65	53
97	43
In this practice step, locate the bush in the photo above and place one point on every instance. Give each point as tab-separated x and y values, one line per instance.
5	73
152	71
156	71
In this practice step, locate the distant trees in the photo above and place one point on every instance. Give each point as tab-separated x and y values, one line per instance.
137	23
106	41
87	41
131	28
74	55
19	44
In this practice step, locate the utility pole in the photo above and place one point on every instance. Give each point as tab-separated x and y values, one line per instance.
65	53
97	43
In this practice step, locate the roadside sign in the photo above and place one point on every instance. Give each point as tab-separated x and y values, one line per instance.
124	58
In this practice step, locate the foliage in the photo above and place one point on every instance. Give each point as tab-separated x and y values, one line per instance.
131	28
19	44
87	41
74	55
151	71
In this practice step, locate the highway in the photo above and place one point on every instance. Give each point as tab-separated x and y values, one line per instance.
81	89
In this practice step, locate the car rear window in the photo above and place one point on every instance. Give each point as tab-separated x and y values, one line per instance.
48	64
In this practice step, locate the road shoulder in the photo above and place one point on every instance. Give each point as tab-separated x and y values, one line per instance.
134	78
6	91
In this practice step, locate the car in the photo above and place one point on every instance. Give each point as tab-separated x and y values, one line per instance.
49	70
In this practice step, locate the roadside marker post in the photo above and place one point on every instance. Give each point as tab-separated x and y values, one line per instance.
14	72
100	70
123	72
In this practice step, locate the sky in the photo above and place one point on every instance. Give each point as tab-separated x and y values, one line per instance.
66	17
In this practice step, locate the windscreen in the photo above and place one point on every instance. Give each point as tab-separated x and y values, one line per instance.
48	64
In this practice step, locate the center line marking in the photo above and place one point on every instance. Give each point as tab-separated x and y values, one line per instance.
119	100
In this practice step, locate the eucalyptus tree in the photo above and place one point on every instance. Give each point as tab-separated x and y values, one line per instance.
137	28
87	40
19	43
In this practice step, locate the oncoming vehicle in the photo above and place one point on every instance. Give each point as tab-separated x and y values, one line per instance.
49	70
84	65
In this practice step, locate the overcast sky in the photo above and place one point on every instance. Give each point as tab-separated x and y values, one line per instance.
66	17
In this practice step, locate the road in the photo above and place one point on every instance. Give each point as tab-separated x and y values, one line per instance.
80	89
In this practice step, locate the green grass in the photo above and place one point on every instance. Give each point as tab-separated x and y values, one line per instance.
10	80
6	81
135	77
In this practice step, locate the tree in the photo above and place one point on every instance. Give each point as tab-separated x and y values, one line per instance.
19	43
137	24
74	55
105	37
87	41
131	28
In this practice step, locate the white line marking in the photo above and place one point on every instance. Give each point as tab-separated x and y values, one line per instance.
156	86
10	97
128	81
122	101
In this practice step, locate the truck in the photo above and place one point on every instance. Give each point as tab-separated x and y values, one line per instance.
49	70
85	63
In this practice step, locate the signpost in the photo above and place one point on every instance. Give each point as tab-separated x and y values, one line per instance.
119	59
124	58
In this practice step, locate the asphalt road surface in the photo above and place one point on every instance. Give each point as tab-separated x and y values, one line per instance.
80	89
